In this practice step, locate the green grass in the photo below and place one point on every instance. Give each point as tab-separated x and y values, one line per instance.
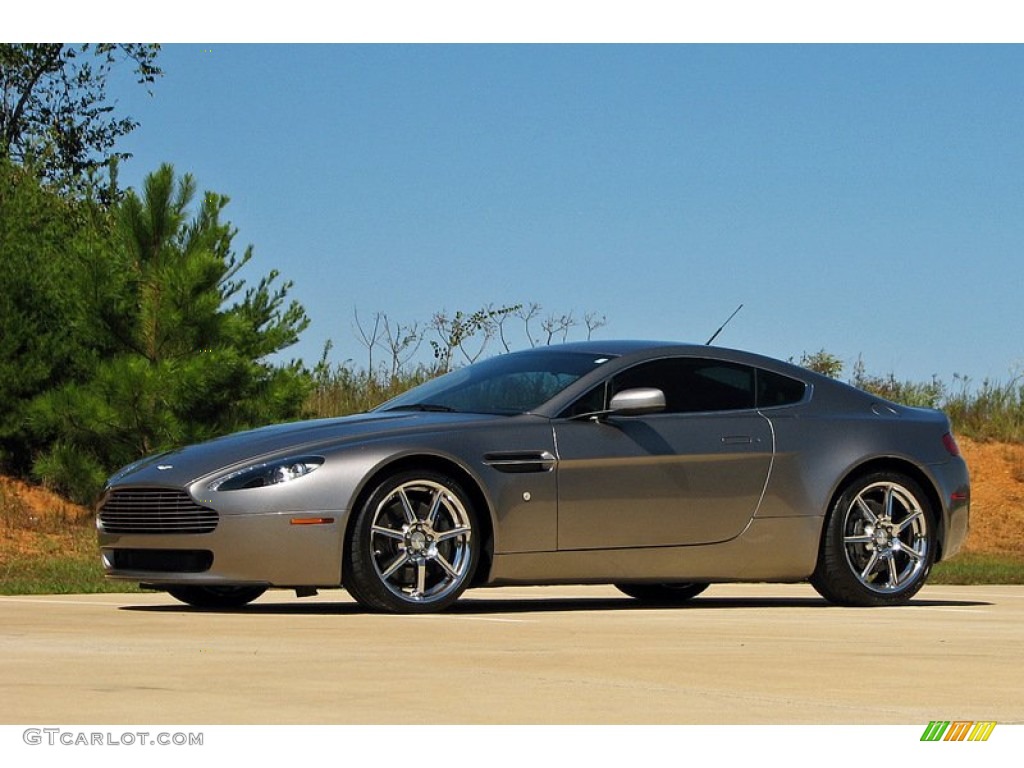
58	575
974	568
69	563
345	389
993	411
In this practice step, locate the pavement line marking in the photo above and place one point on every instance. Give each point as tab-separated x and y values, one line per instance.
469	618
916	608
16	599
449	617
976	595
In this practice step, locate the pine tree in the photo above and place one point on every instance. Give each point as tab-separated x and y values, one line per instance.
45	240
186	341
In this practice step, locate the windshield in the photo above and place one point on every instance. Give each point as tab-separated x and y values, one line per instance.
507	384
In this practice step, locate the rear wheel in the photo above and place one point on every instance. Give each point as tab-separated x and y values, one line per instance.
414	545
879	542
216	596
662	593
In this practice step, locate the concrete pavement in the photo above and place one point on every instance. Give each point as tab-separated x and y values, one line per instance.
739	654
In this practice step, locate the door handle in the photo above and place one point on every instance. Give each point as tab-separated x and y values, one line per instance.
737	439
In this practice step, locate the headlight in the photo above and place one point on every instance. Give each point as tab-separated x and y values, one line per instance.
271	473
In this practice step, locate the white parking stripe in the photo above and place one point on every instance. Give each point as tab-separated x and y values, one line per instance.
455	617
57	601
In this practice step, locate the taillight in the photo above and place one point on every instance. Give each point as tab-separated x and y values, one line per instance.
950	443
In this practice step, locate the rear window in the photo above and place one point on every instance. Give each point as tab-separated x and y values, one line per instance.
774	389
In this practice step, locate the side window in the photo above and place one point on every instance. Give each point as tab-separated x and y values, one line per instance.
592	402
774	389
692	384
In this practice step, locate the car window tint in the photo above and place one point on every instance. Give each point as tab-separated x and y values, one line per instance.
507	384
693	384
592	402
512	393
774	389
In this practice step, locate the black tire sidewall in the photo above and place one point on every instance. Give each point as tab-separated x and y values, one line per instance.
203	596
663	593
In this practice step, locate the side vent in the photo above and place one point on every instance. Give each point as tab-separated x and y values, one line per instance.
519	462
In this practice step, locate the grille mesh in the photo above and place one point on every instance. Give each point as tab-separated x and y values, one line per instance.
155	511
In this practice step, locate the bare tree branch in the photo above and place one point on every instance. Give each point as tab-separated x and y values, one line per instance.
368	339
402	342
593	321
527	313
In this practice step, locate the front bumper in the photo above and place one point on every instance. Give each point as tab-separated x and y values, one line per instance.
264	548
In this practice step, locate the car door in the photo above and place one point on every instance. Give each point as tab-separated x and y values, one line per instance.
692	474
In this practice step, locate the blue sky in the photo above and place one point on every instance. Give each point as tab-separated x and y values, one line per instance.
862	199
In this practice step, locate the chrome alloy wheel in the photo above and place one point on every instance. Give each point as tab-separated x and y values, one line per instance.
885	537
420	540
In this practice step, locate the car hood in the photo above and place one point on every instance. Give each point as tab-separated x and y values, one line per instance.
186	465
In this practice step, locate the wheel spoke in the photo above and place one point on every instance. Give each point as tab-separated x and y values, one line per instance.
398	562
909	551
894	577
421	579
461	531
407	510
872	563
910	520
887	504
861	538
435	506
866	510
446	566
388	532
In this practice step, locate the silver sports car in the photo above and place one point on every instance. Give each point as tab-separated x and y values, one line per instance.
660	468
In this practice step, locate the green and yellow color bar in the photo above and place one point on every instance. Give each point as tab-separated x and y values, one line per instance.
958	730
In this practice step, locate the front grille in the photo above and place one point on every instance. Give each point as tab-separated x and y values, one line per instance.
155	511
159	560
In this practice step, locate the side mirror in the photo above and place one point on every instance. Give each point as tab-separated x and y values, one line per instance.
636	402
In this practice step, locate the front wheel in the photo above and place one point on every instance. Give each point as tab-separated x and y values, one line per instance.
665	594
879	542
414	545
200	596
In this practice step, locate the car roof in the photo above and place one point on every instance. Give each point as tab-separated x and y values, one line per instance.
635	349
620	347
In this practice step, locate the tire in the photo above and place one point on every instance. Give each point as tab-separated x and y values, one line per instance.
879	542
414	545
662	593
216	597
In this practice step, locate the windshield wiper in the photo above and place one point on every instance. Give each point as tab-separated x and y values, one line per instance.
428	407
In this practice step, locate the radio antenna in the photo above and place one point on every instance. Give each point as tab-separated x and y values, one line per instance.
715	334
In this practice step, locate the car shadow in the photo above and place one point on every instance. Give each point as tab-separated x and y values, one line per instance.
475	606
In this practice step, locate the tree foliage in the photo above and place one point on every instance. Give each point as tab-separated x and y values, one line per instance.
460	330
178	341
46	242
822	362
54	111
